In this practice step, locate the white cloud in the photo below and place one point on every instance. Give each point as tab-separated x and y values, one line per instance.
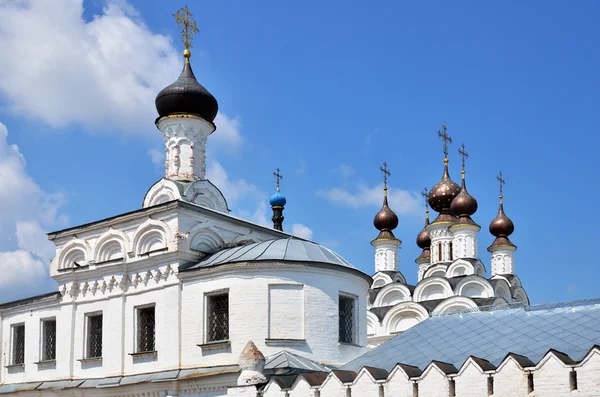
260	215
344	170
20	268
233	190
157	157
26	213
227	136
401	201
301	170
302	231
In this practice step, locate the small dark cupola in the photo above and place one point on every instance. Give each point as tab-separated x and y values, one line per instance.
385	220
443	193
277	201
464	205
186	96
501	227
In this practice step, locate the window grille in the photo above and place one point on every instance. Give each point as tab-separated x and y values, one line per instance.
218	317
18	344
146	328
49	345
346	311
94	336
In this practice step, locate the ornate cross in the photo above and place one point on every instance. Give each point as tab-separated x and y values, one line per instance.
424	194
447	138
386	173
464	155
502	182
187	23
278	177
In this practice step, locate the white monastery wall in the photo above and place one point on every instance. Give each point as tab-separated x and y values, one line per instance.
552	378
471	382
433	384
302	389
398	384
365	386
588	375
510	380
332	387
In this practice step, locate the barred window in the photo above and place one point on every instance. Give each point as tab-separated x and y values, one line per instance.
94	336
218	317
146	329
49	341
347	323
18	347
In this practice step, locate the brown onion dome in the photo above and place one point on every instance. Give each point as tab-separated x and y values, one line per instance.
501	226
424	239
441	195
386	219
463	205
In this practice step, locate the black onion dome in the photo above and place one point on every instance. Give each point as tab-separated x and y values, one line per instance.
441	195
463	205
424	239
386	219
187	96
501	226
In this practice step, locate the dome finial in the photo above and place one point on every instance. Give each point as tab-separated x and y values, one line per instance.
446	138
424	194
464	205
386	220
464	156
502	183
188	26
277	201
278	177
386	173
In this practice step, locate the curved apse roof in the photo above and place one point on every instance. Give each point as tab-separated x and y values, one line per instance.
275	250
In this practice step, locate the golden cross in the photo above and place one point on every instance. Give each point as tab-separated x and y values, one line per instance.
502	182
278	177
464	155
447	138
386	173
187	23
424	194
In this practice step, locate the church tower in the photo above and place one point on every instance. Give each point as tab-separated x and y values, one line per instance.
386	244
277	201
440	198
464	231
502	249
186	114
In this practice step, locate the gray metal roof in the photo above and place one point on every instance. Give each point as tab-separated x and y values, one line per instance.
571	328
289	249
285	359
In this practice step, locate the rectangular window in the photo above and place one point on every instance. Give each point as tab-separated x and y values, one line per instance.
146	329
18	344
49	340
347	319
217	317
94	336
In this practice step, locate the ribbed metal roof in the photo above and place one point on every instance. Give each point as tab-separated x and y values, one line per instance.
571	328
285	359
275	250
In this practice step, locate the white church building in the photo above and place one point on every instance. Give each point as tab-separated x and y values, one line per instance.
180	298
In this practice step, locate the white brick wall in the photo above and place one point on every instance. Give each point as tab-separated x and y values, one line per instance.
365	386
551	378
332	387
510	380
471	382
398	384
588	375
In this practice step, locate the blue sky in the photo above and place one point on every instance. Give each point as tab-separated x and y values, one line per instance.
326	91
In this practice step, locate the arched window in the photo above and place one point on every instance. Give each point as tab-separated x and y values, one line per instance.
439	252
451	251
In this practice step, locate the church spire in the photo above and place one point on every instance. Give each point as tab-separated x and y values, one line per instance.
424	241
278	202
186	111
386	244
464	205
502	249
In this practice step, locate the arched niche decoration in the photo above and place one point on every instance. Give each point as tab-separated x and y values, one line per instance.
392	294
432	288
372	324
403	316
381	280
460	268
152	235
205	194
112	245
436	271
161	192
502	290
474	287
520	296
455	303
74	251
206	238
